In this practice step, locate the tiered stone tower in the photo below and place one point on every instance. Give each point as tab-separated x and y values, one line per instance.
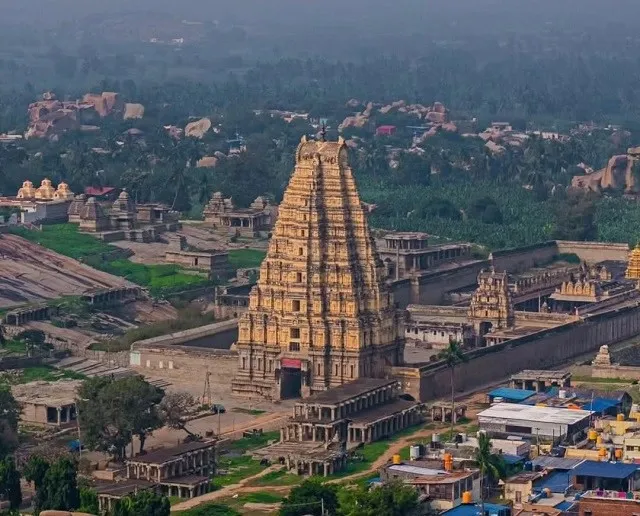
491	305
633	267
321	314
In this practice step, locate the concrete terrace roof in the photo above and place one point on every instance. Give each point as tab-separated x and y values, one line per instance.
52	394
347	391
515	412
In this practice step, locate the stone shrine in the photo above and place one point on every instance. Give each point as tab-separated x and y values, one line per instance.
321	314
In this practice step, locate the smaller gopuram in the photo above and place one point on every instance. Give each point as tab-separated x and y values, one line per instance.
491	305
633	268
223	215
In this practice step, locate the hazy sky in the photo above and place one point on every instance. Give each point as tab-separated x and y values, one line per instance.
416	14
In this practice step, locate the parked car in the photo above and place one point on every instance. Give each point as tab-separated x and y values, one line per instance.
218	409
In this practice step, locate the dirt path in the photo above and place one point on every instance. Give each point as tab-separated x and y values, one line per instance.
230	490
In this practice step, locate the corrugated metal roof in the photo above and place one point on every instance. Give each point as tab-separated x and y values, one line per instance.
616	470
516	412
557	482
511	394
547	462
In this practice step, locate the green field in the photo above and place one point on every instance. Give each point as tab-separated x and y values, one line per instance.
209	509
67	240
238	468
246	258
43	373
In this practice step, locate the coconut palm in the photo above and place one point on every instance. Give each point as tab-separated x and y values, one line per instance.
452	356
490	464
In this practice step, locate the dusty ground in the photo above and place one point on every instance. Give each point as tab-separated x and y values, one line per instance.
30	273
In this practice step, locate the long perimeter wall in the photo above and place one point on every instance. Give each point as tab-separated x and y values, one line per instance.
542	350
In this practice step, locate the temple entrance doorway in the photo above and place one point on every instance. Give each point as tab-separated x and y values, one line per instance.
290	383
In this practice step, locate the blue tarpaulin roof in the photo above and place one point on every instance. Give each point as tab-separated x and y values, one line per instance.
511	394
600	404
471	509
564	506
616	470
557	482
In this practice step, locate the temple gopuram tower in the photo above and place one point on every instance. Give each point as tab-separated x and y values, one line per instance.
491	304
321	314
633	267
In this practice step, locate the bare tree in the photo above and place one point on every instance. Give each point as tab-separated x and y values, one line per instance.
175	408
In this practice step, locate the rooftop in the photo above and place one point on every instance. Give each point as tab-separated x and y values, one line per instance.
473	509
382	411
615	470
511	394
529	374
52	394
124	488
548	462
406	235
347	391
513	411
170	454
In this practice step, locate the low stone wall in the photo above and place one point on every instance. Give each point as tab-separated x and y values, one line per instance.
520	259
429	289
220	335
541	350
191	364
593	252
616	371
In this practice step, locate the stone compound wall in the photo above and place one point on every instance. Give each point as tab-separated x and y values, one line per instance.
616	371
429	289
520	259
542	350
593	252
181	363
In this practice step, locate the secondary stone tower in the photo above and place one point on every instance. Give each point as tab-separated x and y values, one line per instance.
321	314
491	304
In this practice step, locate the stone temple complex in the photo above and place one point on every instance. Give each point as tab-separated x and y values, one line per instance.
321	314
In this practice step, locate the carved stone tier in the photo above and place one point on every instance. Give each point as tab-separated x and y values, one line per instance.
321	314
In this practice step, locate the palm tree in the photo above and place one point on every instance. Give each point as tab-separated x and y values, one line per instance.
452	356
489	463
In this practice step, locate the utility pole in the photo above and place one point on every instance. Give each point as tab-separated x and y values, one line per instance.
206	395
322	506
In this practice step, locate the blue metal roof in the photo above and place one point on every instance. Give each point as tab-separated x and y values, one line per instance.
557	481
616	470
564	506
600	404
511	394
471	509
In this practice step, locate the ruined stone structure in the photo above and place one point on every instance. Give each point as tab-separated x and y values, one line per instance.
491	305
325	425
121	219
216	263
407	253
223	215
321	314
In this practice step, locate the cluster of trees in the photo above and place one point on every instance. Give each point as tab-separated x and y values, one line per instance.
57	487
113	412
317	499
